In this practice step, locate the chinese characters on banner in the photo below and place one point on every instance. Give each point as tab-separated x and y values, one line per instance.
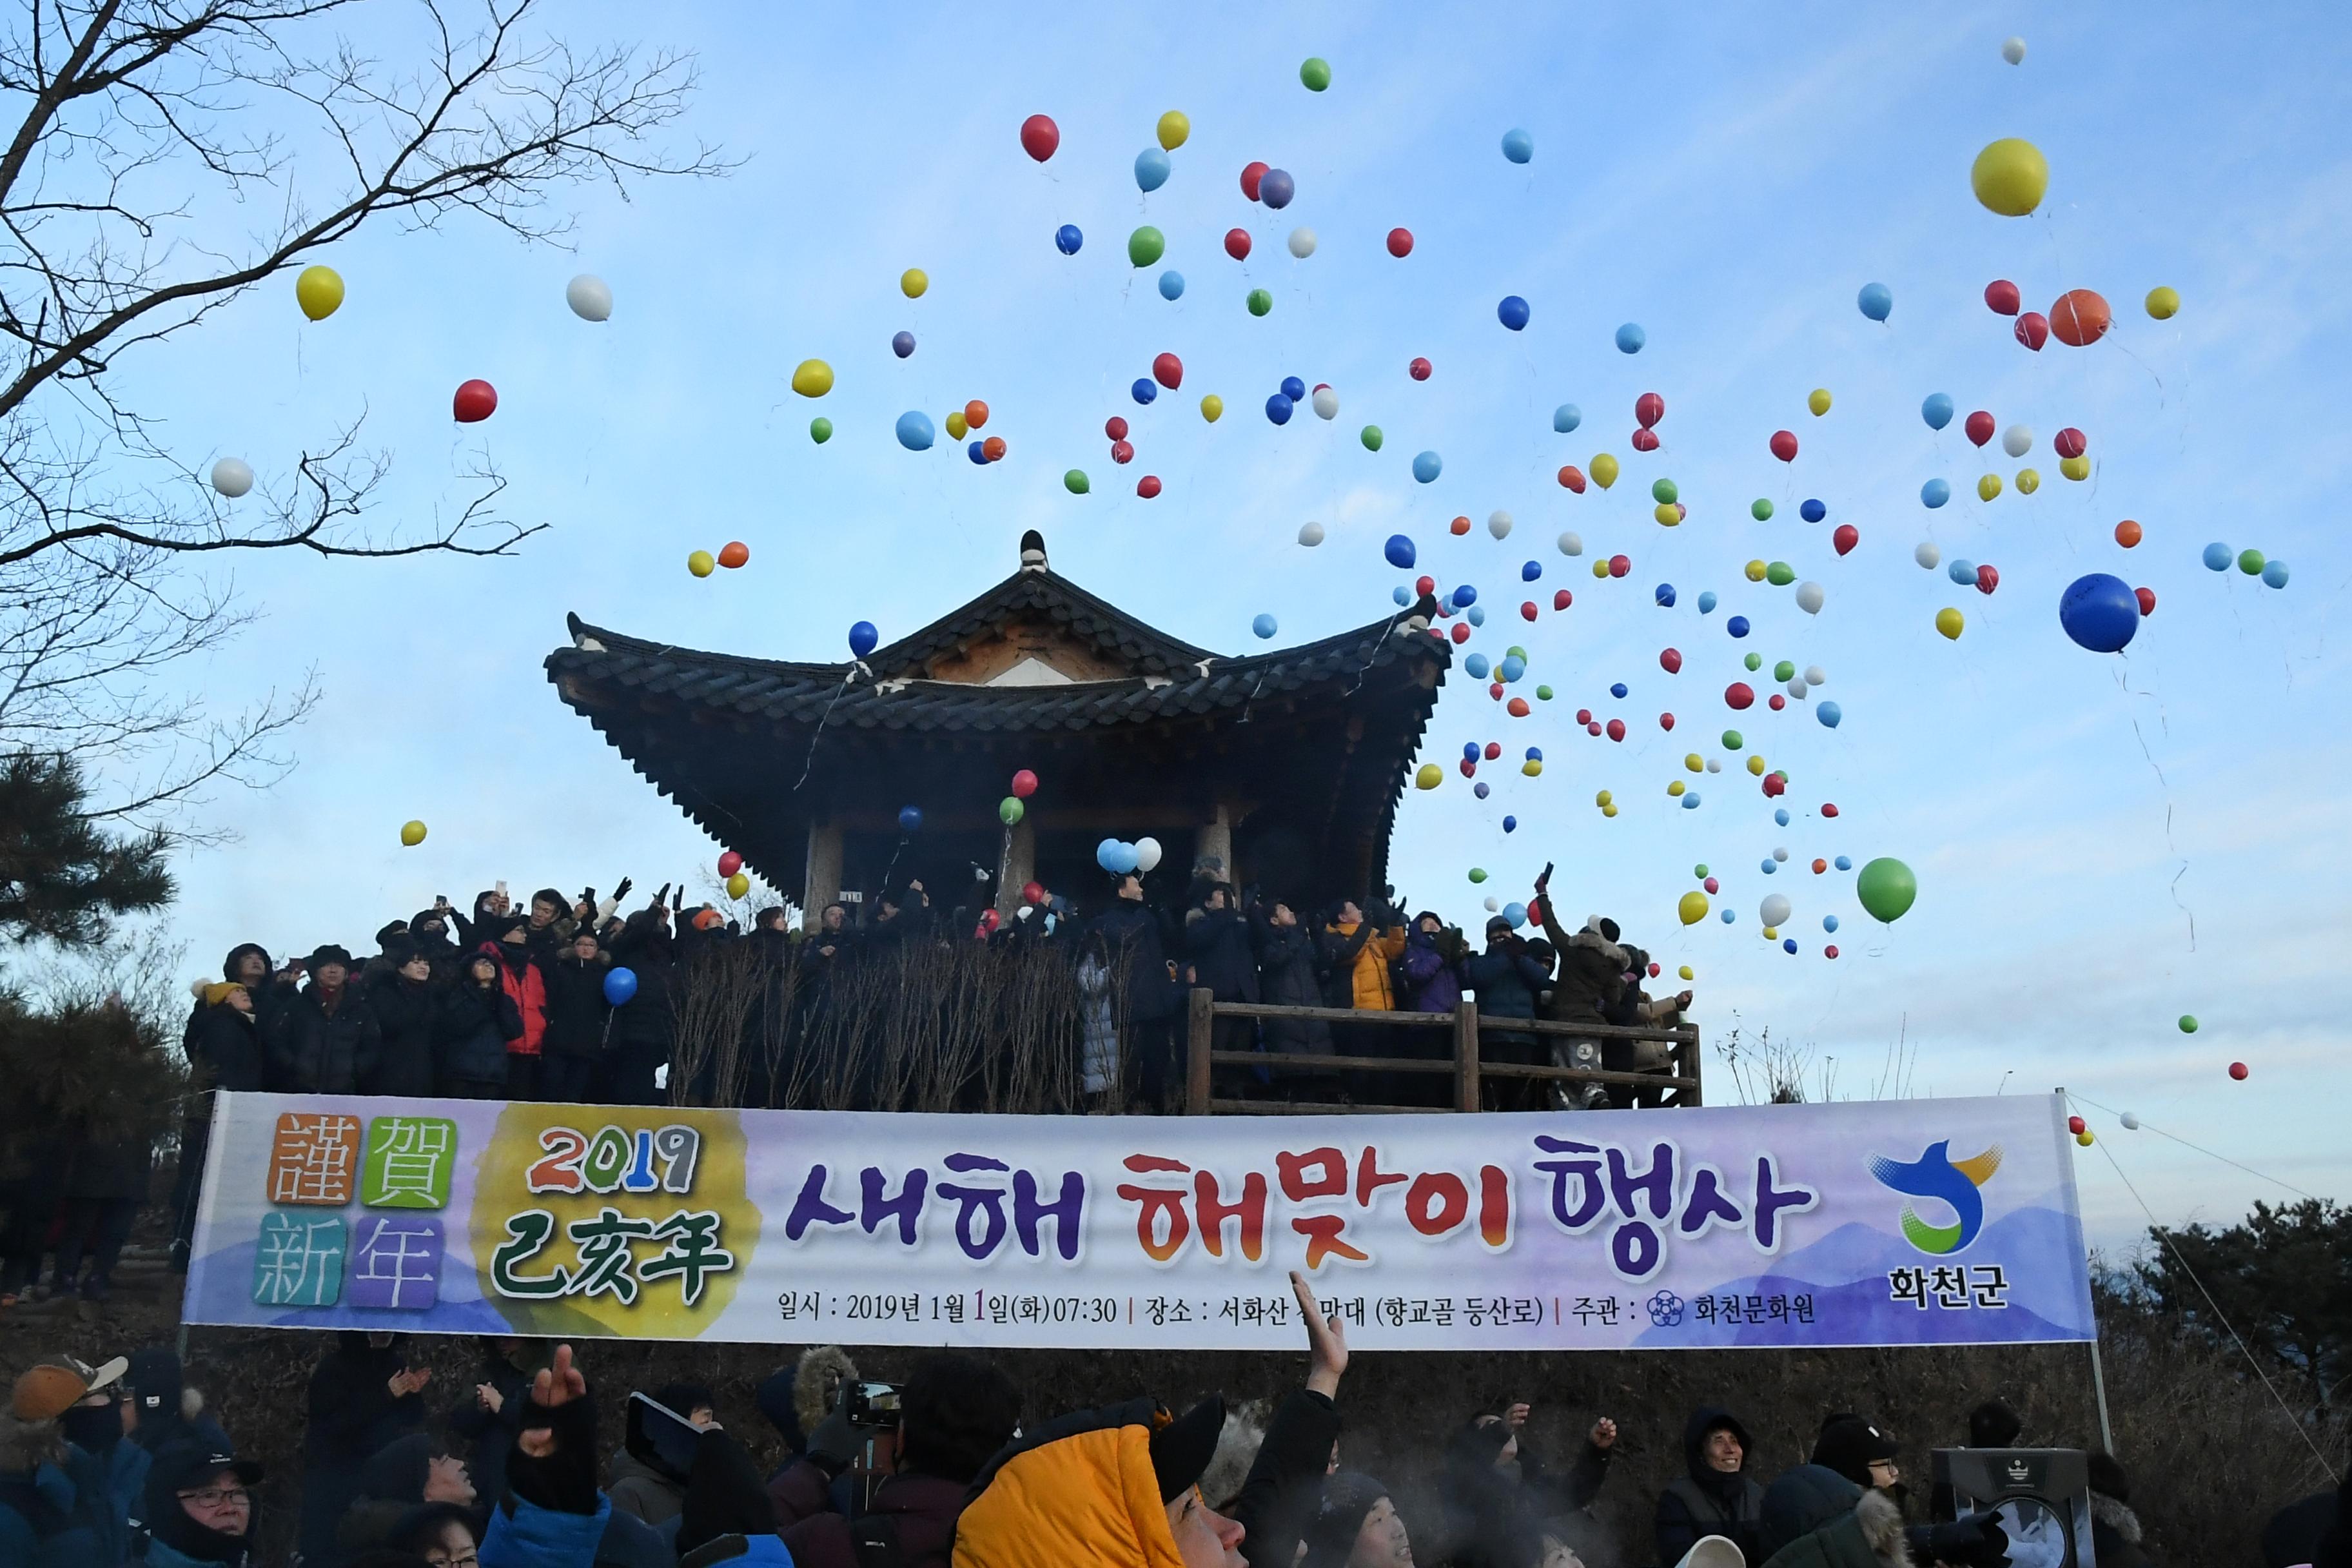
1901	1223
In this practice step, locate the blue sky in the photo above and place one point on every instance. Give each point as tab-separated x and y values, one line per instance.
1730	183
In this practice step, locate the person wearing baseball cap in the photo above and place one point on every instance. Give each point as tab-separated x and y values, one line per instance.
200	1508
56	1506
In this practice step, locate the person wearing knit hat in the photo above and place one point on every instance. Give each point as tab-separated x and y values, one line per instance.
1357	1526
1860	1452
199	1508
324	1040
726	1517
163	1410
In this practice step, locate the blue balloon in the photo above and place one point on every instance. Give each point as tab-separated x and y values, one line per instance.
1876	300
1617	690
1476	616
911	819
1787	944
1399	553
620	984
1171	284
1144	390
863	639
2275	573
1707	602
1829	713
1935	494
1518	147
1845	863
1125	861
1475	668
1294	389
1781	816
1068	240
2099	612
1531	570
1464	596
1513	668
1964	573
1403	597
1567	417
1106	853
1517	913
1470	748
1690	803
1829	922
1512	312
1535	753
1510	825
1665	594
1770	865
1480	789
902	343
1630	338
2218	556
1151	169
1737	625
915	431
978	453
1277	409
1275	187
1264	627
1427	466
1937	410
1728	916
1812	510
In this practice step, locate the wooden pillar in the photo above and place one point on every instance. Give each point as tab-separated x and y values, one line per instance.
1016	865
1687	1065
1216	840
824	884
1200	1034
1465	1055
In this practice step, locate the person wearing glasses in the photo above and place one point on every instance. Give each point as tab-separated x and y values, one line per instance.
200	1512
440	1532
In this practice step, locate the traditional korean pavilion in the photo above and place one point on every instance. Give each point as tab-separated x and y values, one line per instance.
1286	766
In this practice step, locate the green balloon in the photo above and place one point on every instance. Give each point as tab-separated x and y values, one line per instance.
1732	741
1259	301
820	429
1760	509
1077	482
1779	573
1315	72
1146	246
1543	693
1664	492
1515	651
1699	871
1755	661
1477	873
1372	438
1010	810
1886	888
2250	562
1785	670
2188	1023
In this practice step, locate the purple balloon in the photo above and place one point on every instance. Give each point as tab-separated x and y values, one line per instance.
903	345
1275	187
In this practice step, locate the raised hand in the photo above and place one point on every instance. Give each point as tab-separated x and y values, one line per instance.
1327	1339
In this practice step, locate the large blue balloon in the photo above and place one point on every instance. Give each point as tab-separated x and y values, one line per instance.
1666	596
1512	669
1475	615
1567	417
1464	596
1631	337
1275	187
1937	411
2218	556
1151	169
1264	627
1517	913
1935	494
1812	510
1107	854
863	638
2099	612
1126	860
2275	573
1512	312
1294	389
1399	553
1171	284
1829	713
1277	409
1144	390
1427	466
620	984
1530	569
1475	668
1518	147
915	431
1470	748
1066	239
1876	300
911	819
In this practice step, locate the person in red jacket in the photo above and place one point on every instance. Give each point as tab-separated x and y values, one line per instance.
525	985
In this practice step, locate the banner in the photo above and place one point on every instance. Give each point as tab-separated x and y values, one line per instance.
1894	1223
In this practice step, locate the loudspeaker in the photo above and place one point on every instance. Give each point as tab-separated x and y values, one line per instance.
2043	1495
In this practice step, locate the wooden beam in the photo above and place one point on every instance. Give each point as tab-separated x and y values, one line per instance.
1200	1012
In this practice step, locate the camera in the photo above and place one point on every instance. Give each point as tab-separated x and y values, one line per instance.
872	1404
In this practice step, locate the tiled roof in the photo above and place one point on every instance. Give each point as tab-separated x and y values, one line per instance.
1038	591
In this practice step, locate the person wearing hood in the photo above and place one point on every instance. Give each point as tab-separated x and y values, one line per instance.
1814	1518
325	1039
1714	1496
802	1486
478	1018
1142	997
224	1042
400	1477
1285	960
408	1018
199	1508
58	1507
1507	980
643	1484
363	1396
725	1517
572	1051
162	1410
1354	952
641	1026
2115	1528
526	987
493	915
1433	955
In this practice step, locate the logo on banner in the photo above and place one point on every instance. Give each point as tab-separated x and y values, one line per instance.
1954	1184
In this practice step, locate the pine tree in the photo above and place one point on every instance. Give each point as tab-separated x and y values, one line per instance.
63	876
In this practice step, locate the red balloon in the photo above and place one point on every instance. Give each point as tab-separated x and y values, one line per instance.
1987	579
1649	408
1829	809
2033	329
1251	175
1493	749
1778	703
1644	440
1462	632
1616	729
1400	242
1593	729
730	863
1784	446
1528	611
1846	537
1168	371
1979	427
1458	526
2080	318
1656	969
1033	892
1584	715
1024	783
1671	660
475	401
1122	451
1830	951
1775	783
2002	296
1237	244
1665	720
2070	443
1425	584
1562	599
1469	769
1040	136
1517	707
1496	691
1712	885
2075	1124
1419	370
734	553
1115	427
2238	1071
1572	478
1148	486
1738	696
1619	565
2147	597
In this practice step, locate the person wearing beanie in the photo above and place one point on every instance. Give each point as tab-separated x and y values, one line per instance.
407	1006
1811	1517
1355	1526
1860	1452
478	1018
572	1051
227	1048
2115	1528
200	1508
726	1517
163	1410
58	1507
1714	1495
325	1039
428	933
526	987
402	1475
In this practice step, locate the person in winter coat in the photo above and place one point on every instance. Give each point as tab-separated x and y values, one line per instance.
491	1411
1714	1496
1506	979
199	1509
642	1026
402	1475
642	1483
493	916
572	1051
1813	1516
1099	1073
553	1515
107	1180
1144	998
1286	964
1280	1502
362	1397
428	933
526	987
549	926
58	1508
1217	958
1861	1452
1354	954
236	1066
324	1040
1498	1497
478	1018
162	1410
801	1487
2115	1528
726	1517
408	1018
1433	955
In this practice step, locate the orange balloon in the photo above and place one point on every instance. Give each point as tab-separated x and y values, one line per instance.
735	555
992	449
2127	534
975	414
2080	318
1820	867
1517	707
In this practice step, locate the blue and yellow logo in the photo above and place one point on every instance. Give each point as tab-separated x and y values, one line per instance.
1952	1183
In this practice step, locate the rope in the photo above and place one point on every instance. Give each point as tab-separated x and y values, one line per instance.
2146	1127
818	733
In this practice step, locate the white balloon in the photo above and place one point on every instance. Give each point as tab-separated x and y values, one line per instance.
590	297
1302	242
1311	534
1326	402
1146	854
1773	911
1715	764
1571	544
1493	903
2012	49
1809	598
1782	855
2131	1122
2017	440
1498	523
1926	555
1797	688
1816	675
232	476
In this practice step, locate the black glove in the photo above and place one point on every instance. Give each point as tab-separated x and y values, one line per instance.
834	1444
1975	1541
565	1480
1545	880
661	895
622	891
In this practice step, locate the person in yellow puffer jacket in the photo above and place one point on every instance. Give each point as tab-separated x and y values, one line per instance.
1354	954
1115	1488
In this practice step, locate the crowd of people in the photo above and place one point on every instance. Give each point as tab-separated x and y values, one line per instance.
115	1464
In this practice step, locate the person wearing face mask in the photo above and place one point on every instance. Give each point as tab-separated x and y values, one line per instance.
95	1426
200	1508
1715	1496
57	1508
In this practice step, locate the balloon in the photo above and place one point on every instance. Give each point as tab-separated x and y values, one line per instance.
2274	574
1886	888
1988	487
1419	370
2217	557
2032	330
975	414
1809	598
2099	612
911	819
1399	551
2009	177
1326	402
1830	714
1400	242
915	431
959	428
1275	187
2130	1121
1877	301
1987	579
1738	696
1604	470
1517	913
1619	565
992	449
1663	489
2163	302
1964	573
590	297
1171	284
1429	777
1512	312
913	283
902	345
737	885
1293	388
2250	563
1570	544
620	984
2080	318
2028	481
1630	338
700	563
734	553
820	429
1174	130
1691	909
1258	302
475	401
1773	911
1980	427
1779	573
1498	523
1371	438
2017	440
1277	409
1311	534
2238	1071
1737	625
1066	239
1846	537
2001	296
1519	146
1148	487
2075	467
813	378
1264	627
232	476
1935	494
1427	465
1818	400
1937	410
1784	446
1076	482
1010	811
1252	173
1039	137
319	291
412	834
1146	854
1302	242
1145	245
1951	622
1122	452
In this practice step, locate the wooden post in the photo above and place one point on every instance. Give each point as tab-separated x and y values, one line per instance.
1465	1055
1687	1065
1016	865
824	882
1214	840
1200	1033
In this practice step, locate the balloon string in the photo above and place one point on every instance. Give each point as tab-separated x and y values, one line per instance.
2160	1132
822	719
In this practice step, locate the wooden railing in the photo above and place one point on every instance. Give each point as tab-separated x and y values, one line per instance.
1464	1067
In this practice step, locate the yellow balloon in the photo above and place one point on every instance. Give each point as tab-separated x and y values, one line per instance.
1667	514
814	378
1756	570
1211	407
2075	467
412	834
737	885
1174	130
319	291
1608	811
957	427
2163	302
1602	798
1673	787
1756	765
1988	485
912	282
2084	1138
1949	621
1685	973
1771	933
700	563
1603	468
1600	569
1532	768
1693	762
1693	907
2028	481
1430	776
1818	400
2009	177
